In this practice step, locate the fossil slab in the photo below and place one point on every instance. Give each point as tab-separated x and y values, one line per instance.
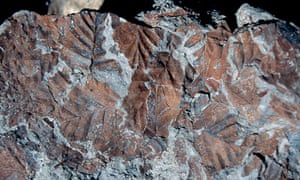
91	95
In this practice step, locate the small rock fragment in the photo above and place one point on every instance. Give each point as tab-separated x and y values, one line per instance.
65	7
247	14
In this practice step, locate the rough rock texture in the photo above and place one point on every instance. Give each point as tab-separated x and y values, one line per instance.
91	95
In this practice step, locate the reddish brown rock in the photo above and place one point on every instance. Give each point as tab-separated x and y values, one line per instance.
91	95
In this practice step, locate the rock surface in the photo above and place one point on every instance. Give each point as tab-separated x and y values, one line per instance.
92	96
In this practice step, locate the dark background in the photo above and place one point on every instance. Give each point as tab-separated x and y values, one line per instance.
286	10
